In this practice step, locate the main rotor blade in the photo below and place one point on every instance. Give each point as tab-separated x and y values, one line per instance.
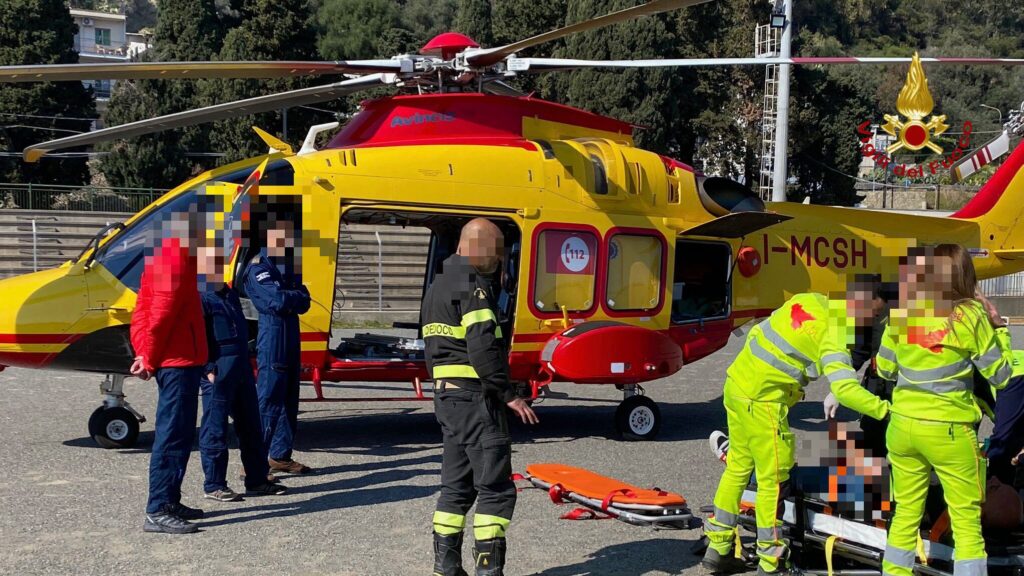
554	64
186	70
489	56
209	114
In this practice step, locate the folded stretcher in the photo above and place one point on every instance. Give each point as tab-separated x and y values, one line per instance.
603	497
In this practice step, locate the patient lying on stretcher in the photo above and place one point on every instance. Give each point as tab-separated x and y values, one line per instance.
842	478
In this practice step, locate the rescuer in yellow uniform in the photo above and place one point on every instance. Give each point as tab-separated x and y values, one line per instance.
942	332
804	339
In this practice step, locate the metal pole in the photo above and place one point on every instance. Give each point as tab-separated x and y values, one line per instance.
782	111
29	195
284	124
380	273
35	252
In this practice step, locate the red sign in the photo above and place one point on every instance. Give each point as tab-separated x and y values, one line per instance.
569	252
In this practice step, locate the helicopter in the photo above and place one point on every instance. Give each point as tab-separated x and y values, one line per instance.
621	265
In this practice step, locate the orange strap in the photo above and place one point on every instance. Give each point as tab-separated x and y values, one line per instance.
940	527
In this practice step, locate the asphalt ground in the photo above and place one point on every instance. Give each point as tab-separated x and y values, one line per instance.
70	507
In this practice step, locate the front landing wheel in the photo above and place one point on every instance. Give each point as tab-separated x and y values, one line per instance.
638	418
114	427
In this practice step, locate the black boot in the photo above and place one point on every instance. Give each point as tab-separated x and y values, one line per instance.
448	555
489	556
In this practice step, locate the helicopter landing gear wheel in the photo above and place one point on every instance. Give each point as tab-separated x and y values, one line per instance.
114	427
637	417
115	424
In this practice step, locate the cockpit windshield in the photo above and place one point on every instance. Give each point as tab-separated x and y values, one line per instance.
123	256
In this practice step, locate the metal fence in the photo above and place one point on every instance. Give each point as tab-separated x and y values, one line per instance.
63	197
1010	285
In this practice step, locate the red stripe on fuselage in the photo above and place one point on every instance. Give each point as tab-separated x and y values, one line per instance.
39	338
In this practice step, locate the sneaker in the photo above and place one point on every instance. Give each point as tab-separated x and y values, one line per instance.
225	495
184	512
166	523
268	489
288	466
719	444
716	563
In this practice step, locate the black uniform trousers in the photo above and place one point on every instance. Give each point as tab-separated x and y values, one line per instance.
477	460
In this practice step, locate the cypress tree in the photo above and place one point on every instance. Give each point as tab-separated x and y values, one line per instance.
40	32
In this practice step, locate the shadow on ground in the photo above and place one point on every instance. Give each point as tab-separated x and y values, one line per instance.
670	555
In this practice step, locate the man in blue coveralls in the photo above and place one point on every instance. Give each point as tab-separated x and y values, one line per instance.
228	388
278	294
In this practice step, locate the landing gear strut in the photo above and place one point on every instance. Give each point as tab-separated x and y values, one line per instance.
115	424
637	417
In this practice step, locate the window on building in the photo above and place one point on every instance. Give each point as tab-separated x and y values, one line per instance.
103	36
565	270
634	272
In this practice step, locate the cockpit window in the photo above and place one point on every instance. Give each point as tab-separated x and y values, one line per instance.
124	255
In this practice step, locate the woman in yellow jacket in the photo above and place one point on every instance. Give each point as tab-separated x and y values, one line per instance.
941	333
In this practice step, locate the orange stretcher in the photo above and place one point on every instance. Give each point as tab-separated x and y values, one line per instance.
602	497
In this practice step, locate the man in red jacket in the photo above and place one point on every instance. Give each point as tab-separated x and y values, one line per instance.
168	334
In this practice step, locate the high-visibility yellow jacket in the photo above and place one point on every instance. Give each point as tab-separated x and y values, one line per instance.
796	344
933	360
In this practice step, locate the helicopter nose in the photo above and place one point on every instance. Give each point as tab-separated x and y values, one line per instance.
38	313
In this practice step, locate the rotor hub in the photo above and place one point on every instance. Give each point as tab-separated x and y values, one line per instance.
448	45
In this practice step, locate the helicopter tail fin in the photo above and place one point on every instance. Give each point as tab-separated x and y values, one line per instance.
998	207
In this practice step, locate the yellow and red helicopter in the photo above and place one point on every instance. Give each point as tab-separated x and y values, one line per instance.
621	264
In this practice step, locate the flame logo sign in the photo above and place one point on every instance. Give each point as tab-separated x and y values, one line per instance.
915	102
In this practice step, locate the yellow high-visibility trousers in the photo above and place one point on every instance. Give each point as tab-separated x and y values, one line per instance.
916	447
760	442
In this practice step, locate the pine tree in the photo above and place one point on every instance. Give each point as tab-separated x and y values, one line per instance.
269	30
474	20
644	97
40	32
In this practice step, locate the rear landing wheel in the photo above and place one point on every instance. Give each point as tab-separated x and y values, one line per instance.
638	418
114	427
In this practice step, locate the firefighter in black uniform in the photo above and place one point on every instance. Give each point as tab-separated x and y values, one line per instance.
468	360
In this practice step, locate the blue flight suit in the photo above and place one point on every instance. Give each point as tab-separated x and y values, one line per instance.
232	392
280	297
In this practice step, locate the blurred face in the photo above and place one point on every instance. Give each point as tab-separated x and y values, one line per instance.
926	283
279	239
209	264
484	252
860	305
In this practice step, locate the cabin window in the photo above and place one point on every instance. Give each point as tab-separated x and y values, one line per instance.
565	270
634	272
701	281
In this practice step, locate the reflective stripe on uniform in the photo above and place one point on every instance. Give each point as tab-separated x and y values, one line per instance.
973	567
933	374
898	556
486	527
446	330
767	357
447	524
767	534
988	358
788	349
841	374
836	357
1002	375
454	371
725	518
936	387
476	316
886	353
772	550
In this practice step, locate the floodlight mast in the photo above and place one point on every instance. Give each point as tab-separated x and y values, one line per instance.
779	175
